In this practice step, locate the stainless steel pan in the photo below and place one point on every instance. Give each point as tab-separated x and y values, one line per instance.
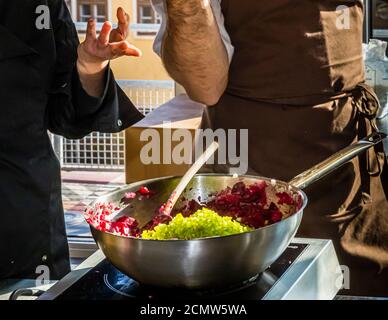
218	261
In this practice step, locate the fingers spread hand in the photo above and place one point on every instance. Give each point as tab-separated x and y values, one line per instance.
103	39
91	31
133	51
110	44
124	49
123	22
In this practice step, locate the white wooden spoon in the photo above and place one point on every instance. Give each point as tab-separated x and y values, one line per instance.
166	208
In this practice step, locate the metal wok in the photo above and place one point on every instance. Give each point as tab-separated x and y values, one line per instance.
210	262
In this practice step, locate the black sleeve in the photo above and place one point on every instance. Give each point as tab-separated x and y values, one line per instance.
71	111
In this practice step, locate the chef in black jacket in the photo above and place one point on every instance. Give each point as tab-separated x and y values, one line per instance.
44	86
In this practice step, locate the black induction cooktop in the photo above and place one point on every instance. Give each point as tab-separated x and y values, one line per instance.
105	282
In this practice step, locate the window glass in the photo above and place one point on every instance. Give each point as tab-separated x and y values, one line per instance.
96	9
379	16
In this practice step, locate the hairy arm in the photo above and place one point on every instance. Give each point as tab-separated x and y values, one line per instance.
193	52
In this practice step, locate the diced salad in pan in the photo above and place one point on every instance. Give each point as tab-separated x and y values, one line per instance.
241	208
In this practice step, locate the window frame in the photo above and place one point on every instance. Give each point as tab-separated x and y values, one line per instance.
155	19
94	10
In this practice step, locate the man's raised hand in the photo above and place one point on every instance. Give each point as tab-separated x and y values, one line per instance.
96	51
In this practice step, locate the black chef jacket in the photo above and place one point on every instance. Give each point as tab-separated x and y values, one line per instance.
40	91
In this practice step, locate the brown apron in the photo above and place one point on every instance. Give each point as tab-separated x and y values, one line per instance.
295	84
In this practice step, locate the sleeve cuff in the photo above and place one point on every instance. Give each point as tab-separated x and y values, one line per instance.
112	112
88	104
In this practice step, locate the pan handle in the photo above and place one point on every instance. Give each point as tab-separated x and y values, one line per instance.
312	175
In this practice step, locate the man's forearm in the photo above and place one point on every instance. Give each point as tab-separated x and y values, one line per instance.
193	51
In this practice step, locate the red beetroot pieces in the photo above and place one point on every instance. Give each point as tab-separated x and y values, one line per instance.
285	198
191	207
126	226
144	191
130	195
99	218
247	204
158	219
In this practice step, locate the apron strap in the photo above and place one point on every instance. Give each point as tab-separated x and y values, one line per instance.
367	105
